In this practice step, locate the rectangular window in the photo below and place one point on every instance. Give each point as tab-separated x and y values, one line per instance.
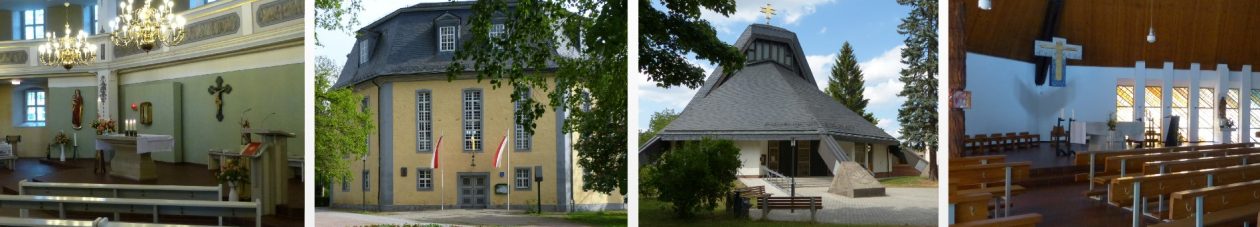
33	24
424	179
1255	114
35	107
96	19
364	52
472	120
367	180
1181	108
1153	115
1124	103
424	121
345	185
523	178
1207	113
496	30
446	38
523	140
1232	112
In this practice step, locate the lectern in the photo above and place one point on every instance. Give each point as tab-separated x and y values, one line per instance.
267	168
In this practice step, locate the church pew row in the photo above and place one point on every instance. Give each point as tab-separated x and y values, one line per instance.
981	176
1125	165
134	191
1136	191
1095	158
976	160
99	222
972	209
1215	205
1158	167
155	207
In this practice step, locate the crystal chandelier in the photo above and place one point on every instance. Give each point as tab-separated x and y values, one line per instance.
146	26
67	51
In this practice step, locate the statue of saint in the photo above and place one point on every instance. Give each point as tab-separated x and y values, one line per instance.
76	109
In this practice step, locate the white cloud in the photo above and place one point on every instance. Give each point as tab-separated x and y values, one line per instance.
673	98
881	74
884	92
890	126
823	30
749	11
820	65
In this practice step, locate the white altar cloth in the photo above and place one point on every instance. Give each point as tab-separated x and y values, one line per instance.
146	143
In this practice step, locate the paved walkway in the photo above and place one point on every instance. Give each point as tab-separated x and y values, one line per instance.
451	217
902	206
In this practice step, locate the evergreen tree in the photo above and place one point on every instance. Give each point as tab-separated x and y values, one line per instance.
918	114
845	84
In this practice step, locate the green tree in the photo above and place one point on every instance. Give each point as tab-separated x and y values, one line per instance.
694	177
336	15
846	83
918	114
341	126
585	40
666	36
659	121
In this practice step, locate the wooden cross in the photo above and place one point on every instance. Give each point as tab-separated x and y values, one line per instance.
768	11
217	90
1059	50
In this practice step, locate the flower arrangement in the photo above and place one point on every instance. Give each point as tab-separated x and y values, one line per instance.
61	138
103	125
232	172
1227	123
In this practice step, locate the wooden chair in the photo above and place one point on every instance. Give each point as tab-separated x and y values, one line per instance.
1025	140
981	143
1014	141
13	140
967	144
999	141
1057	135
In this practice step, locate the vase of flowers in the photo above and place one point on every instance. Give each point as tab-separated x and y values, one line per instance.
61	140
102	126
231	173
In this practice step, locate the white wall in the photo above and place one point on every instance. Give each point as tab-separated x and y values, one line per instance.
1005	99
750	157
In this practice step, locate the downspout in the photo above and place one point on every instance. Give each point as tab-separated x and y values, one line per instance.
378	163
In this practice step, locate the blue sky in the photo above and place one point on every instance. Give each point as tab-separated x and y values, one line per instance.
822	27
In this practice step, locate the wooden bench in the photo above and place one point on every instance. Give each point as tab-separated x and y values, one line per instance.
1158	167
1135	191
99	222
980	176
972	209
155	207
976	160
752	192
1124	165
134	191
1023	220
812	203
1093	159
1215	205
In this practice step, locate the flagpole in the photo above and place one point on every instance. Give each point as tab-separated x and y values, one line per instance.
512	180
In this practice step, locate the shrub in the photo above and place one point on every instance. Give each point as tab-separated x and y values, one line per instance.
696	176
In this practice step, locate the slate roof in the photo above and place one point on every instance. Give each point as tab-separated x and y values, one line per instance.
767	100
405	43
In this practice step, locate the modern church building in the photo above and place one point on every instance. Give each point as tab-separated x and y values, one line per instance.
775	113
399	65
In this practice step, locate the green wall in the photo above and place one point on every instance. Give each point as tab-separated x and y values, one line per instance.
267	90
59	107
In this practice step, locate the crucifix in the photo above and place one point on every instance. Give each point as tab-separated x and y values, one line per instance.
768	11
217	91
1059	51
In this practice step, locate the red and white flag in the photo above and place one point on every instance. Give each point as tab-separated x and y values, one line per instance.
498	155
436	148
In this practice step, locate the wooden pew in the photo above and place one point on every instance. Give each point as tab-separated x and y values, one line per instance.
972	209
1158	167
99	222
1096	158
996	173
1214	205
1135	190
134	191
1121	166
1023	220
155	207
976	160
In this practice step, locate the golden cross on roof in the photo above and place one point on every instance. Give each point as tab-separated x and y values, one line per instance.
769	11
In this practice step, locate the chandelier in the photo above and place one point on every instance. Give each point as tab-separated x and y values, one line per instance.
67	51
147	26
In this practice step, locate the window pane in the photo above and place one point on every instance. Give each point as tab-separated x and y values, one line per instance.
30	114
1153	115
1207	114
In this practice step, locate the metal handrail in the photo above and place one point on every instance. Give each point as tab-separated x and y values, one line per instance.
776	178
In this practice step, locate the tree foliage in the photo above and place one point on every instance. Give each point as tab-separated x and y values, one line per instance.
918	114
341	125
846	83
666	36
656	124
585	42
336	15
694	177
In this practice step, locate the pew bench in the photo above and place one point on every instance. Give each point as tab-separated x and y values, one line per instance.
980	176
1215	205
155	207
134	191
976	160
99	222
811	203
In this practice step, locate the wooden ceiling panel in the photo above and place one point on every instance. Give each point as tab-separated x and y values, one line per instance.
1113	32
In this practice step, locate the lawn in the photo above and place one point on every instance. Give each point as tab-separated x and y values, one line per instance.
908	182
603	218
657	213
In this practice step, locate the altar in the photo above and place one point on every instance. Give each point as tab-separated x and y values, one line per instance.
133	154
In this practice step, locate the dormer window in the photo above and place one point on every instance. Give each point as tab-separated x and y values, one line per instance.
364	52
496	30
446	38
771	51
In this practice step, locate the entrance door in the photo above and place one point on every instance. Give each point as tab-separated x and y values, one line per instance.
803	154
473	191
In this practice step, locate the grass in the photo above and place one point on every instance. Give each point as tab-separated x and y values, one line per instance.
601	218
908	182
656	213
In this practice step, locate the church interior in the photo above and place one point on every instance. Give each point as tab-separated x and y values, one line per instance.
184	112
1093	113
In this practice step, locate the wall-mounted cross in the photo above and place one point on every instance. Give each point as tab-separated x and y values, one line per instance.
217	91
768	11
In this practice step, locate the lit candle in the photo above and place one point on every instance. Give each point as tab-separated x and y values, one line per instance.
76	139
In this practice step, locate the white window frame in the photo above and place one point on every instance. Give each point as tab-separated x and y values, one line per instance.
365	53
35	107
497	30
33	24
522	177
522	140
424	121
424	179
446	38
473	136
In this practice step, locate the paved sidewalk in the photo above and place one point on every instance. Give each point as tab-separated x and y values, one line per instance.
902	206
328	217
451	217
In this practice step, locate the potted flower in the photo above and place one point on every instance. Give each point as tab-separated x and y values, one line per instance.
230	173
61	140
102	125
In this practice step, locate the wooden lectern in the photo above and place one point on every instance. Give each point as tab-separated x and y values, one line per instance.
267	169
